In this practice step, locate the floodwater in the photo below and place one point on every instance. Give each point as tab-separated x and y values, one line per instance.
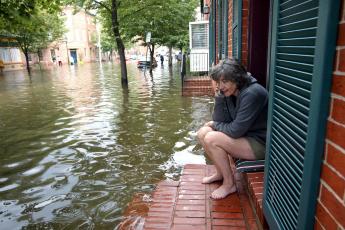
76	148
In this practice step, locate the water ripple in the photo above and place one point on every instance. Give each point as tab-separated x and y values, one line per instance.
76	147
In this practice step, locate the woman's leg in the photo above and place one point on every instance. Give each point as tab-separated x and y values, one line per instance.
202	132
219	146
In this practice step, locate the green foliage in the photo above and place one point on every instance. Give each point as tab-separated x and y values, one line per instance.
94	38
107	42
166	20
34	23
14	11
38	32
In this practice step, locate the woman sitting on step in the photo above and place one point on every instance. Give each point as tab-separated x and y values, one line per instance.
238	126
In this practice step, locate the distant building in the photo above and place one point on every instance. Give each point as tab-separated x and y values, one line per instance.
78	45
10	55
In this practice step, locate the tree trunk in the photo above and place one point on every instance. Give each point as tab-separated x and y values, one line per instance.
170	56
152	52
39	59
26	54
119	43
111	55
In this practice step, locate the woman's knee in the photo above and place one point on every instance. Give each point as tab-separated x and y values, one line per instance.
220	140
202	132
211	138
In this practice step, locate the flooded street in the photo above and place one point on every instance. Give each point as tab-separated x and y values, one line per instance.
75	147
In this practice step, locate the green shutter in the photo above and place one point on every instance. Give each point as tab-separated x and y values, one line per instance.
236	28
302	50
212	33
222	29
225	28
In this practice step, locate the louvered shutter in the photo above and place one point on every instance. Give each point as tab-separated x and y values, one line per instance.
236	28
220	22
225	29
222	28
303	38
212	33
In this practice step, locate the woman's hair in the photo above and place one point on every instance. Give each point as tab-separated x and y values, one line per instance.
232	70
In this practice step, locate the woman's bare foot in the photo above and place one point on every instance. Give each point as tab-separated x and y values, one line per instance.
223	191
213	178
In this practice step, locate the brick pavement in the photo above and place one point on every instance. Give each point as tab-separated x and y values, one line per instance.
187	205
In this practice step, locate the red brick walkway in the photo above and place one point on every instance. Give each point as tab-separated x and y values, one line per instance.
186	205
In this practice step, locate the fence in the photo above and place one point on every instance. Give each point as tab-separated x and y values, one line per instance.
194	65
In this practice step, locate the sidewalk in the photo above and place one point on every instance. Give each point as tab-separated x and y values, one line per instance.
186	205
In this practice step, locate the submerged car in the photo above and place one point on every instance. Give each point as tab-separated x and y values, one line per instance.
144	62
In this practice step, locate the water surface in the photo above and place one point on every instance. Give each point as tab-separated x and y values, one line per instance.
76	148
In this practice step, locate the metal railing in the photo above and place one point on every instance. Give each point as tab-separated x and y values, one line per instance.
194	64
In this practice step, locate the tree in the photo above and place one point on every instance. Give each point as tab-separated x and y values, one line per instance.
108	44
34	24
132	19
13	10
109	9
166	20
37	33
180	38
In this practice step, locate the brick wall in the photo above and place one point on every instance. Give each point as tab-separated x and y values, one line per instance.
330	212
245	20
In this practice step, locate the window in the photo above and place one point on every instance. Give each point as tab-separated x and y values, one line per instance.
9	55
199	36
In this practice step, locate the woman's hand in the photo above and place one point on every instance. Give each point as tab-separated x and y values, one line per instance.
215	87
209	124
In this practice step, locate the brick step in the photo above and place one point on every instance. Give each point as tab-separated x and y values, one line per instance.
197	83
197	87
197	91
255	185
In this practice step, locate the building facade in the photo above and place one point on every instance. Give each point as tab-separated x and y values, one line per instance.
10	55
78	44
296	49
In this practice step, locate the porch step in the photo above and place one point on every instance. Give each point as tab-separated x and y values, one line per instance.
197	86
255	185
197	91
198	81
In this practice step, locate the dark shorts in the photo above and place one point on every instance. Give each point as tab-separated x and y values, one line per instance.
258	148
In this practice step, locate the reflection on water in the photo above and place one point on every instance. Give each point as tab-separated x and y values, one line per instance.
76	147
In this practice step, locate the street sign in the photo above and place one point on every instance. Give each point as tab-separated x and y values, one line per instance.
148	37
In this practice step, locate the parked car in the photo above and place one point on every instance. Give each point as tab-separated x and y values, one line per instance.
144	62
133	57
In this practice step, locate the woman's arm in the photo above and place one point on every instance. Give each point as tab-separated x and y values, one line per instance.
250	107
218	111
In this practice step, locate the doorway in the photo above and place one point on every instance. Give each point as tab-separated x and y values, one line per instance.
258	39
73	53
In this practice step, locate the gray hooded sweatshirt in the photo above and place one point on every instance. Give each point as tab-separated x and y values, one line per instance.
244	115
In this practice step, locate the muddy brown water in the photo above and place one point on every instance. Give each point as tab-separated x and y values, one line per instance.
75	147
